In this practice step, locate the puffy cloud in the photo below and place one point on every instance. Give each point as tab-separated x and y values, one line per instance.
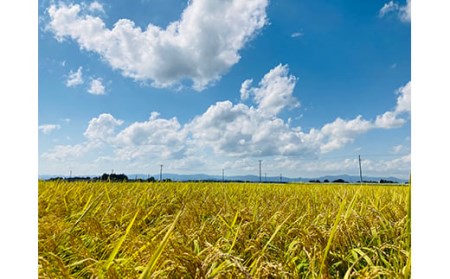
201	46
96	7
296	34
48	128
403	12
164	137
229	135
245	86
96	87
240	130
75	78
102	128
274	92
391	119
404	99
340	132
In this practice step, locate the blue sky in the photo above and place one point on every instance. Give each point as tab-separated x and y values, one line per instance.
305	86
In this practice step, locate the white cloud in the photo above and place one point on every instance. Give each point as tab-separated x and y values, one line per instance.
75	78
96	7
245	86
62	153
403	12
200	47
335	135
274	92
296	34
48	128
164	137
398	148
404	99
96	87
239	130
102	128
391	119
228	132
398	166
387	8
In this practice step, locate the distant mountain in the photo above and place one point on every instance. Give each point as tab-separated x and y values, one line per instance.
250	178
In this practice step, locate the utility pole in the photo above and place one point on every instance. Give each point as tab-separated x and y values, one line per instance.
260	171
360	170
160	173
70	174
281	178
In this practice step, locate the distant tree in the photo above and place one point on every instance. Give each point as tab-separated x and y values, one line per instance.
114	177
369	181
151	179
386	181
326	181
340	180
105	177
314	181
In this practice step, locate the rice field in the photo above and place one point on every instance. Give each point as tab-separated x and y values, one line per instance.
223	230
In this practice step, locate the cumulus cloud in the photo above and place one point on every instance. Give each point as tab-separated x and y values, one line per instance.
102	128
403	12
96	7
228	132
245	86
404	99
164	137
335	135
274	92
389	120
239	130
48	128
201	46
392	119
75	78
96	87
